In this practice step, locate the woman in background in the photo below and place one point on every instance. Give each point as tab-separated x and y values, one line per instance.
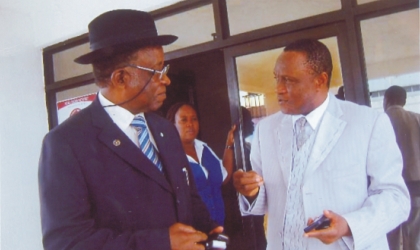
209	171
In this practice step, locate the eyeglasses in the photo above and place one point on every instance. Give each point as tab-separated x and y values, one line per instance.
161	73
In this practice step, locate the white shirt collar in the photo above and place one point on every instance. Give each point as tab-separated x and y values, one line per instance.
315	116
199	146
120	116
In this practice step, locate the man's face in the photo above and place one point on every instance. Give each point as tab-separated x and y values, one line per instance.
154	93
296	86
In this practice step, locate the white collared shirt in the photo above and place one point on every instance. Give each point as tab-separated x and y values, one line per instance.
123	118
315	116
199	147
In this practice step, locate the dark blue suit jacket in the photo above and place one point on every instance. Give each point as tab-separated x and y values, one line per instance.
98	191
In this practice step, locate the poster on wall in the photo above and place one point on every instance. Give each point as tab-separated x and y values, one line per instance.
69	107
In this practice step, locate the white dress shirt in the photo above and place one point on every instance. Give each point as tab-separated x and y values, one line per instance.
315	116
199	146
123	118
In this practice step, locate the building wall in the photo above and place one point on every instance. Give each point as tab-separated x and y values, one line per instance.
26	28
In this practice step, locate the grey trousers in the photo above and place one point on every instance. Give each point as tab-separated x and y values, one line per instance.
409	231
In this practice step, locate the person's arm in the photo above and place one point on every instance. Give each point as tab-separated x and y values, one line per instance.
228	155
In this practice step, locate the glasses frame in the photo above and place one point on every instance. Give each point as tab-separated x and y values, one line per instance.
161	73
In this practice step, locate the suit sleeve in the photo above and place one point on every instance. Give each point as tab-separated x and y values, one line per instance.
66	210
388	203
258	207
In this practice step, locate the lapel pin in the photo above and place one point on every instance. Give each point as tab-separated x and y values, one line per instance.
116	142
161	134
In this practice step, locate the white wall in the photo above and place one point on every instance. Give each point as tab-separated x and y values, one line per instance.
26	27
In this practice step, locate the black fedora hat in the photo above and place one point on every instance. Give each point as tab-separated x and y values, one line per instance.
118	31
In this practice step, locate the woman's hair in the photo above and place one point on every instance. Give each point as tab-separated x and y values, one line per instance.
170	115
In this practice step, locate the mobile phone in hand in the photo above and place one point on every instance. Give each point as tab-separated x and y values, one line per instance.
320	223
216	242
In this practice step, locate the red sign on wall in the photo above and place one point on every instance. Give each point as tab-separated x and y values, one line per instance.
69	107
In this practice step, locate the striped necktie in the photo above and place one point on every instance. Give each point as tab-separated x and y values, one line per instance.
146	146
303	131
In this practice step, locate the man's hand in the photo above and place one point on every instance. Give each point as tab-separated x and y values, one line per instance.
230	137
247	183
338	228
185	237
217	230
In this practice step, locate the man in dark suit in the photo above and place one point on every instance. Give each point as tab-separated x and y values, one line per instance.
406	126
98	190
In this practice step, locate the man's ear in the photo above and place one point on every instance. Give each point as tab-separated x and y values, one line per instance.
322	80
120	78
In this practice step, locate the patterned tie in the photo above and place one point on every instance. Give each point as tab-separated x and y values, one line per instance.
294	213
146	146
303	131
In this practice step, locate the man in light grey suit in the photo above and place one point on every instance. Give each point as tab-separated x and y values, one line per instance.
342	162
406	125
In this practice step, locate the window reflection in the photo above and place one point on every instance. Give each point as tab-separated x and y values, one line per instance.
265	13
392	55
65	67
254	103
192	27
365	1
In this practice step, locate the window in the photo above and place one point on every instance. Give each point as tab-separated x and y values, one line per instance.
392	54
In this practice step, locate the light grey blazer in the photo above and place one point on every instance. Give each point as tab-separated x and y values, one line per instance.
355	145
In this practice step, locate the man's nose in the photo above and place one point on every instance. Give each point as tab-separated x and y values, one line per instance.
280	87
165	80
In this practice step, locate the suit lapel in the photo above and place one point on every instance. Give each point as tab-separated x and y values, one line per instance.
284	137
330	130
112	137
163	141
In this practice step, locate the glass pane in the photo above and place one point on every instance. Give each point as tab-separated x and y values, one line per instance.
245	15
392	54
192	27
65	67
256	81
365	1
71	101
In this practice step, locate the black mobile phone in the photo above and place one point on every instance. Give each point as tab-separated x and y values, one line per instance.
320	223
216	242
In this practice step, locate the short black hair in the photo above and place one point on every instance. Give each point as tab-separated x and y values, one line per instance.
170	115
318	55
103	69
395	95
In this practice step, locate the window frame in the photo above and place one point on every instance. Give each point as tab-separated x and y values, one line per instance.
350	16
